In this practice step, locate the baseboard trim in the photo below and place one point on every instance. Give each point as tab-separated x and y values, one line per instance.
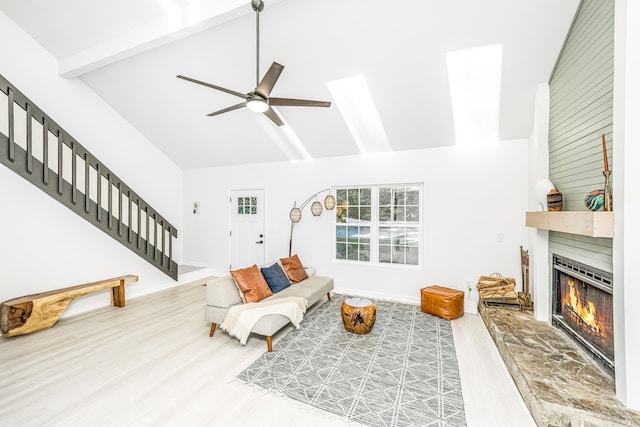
379	295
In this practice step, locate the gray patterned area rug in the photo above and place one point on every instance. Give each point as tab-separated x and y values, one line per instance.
403	373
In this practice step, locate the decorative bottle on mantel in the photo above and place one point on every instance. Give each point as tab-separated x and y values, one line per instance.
554	200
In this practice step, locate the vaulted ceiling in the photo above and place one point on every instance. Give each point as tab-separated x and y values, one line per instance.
129	53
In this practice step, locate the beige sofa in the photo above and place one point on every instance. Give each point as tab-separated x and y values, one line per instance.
222	293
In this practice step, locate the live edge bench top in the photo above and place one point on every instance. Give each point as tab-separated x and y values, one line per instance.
31	313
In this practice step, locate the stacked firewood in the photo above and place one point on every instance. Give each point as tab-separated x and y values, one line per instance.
497	287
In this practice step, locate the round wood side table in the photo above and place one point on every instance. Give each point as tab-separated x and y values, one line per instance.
358	315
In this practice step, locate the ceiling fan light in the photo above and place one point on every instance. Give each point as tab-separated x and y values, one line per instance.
257	105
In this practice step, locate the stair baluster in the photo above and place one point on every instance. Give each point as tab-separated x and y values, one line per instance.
63	180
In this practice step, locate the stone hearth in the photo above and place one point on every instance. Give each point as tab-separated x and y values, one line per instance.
560	384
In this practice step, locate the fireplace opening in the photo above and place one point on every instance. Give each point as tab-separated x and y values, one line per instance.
583	307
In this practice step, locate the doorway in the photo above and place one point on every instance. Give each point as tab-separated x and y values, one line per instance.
246	228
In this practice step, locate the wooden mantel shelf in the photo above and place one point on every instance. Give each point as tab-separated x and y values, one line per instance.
584	223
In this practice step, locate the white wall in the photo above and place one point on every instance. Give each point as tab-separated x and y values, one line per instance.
626	134
469	198
539	239
45	246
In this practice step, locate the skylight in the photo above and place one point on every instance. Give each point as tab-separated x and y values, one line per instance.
475	77
354	101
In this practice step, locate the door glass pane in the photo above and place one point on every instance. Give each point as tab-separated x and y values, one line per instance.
247	205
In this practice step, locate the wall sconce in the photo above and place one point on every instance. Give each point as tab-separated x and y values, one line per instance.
295	215
196	207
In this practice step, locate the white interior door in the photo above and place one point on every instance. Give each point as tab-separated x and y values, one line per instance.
246	231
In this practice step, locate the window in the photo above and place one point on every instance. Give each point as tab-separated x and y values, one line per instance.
247	205
379	224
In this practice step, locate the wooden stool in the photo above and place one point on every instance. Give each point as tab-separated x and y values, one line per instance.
442	302
358	315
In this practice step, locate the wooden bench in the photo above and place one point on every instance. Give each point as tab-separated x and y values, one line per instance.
32	313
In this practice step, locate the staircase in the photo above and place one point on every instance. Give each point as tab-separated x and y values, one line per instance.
38	149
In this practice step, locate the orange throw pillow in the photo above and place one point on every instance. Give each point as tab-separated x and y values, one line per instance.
294	269
251	283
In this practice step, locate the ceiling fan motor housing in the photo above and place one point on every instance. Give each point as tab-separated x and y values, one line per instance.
257	5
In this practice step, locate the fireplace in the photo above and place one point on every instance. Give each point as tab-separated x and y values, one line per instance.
583	307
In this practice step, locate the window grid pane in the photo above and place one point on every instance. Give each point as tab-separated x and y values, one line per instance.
353	219
247	205
395	216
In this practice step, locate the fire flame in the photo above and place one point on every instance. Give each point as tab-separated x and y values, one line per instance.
586	312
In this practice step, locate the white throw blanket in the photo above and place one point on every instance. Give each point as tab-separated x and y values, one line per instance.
241	318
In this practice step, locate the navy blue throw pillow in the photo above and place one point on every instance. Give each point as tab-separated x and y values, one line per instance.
275	277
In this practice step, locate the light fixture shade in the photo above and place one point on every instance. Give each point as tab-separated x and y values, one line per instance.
329	202
295	215
316	208
257	105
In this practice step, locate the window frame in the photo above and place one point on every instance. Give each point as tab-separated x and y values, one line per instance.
375	225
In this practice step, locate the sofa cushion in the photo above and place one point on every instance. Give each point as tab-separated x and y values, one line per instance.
313	289
223	292
275	277
294	269
251	283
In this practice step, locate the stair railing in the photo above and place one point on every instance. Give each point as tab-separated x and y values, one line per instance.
35	147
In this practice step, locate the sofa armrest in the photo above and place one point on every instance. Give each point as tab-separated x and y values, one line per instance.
223	292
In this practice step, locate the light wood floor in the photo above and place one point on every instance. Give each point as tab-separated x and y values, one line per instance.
152	363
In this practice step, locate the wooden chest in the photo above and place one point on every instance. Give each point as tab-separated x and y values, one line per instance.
442	302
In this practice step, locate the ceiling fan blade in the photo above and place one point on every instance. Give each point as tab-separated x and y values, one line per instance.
232	92
269	80
226	110
274	116
285	102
